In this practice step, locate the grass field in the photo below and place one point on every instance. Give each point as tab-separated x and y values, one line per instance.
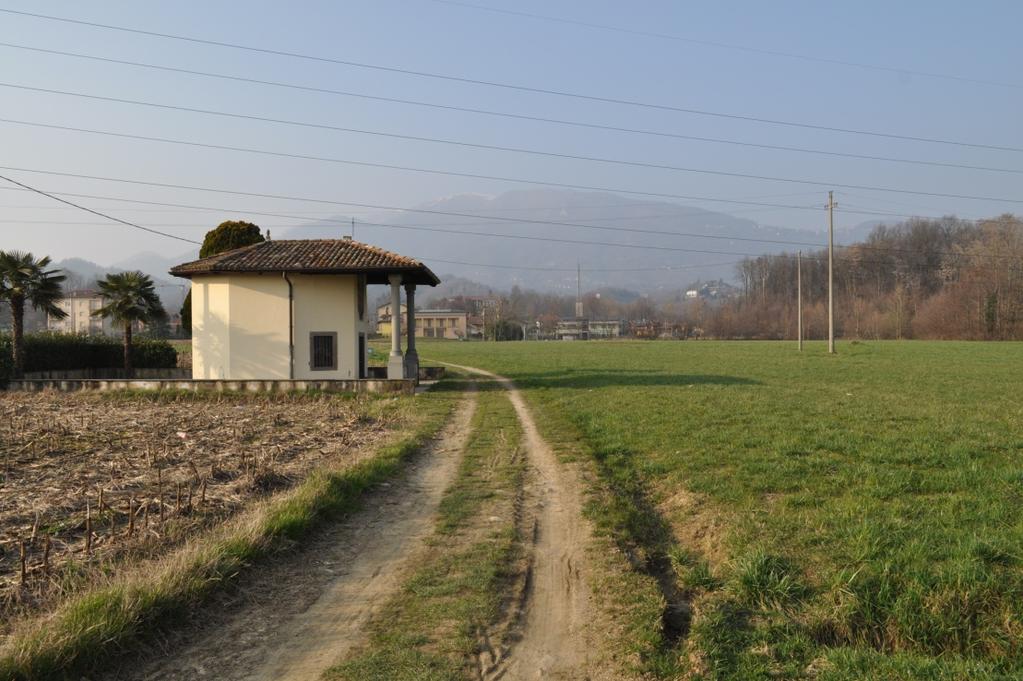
846	517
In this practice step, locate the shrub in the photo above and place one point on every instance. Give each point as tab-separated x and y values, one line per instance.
65	352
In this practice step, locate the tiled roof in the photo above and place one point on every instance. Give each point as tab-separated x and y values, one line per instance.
311	256
82	293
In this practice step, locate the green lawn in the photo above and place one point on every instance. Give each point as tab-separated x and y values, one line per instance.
856	516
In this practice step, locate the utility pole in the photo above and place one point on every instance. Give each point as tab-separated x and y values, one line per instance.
353	227
578	290
831	273
799	296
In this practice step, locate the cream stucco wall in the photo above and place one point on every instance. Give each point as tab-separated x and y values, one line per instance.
240	325
327	304
211	347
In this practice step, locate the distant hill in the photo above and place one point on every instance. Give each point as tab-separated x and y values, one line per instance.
82	273
635	269
155	264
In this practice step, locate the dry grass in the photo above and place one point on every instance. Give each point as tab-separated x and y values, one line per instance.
142	472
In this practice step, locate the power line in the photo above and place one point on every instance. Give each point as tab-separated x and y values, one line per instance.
306	217
488	234
553	207
549	239
446	230
573	241
654	268
409	227
541	119
680	250
479	176
360	205
297	217
309	157
172	236
96	212
450	213
500	219
394	226
464	224
374	206
511	86
729	46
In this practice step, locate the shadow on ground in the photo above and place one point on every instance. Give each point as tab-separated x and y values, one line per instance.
602	378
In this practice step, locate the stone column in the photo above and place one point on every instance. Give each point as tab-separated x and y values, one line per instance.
411	356
395	362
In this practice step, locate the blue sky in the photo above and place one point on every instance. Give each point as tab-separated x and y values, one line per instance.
974	40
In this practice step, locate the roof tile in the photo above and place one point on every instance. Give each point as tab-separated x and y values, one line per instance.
314	256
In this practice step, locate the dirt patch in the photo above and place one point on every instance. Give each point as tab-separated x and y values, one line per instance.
695	525
94	478
300	614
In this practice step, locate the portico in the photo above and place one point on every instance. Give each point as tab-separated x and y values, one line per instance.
403	365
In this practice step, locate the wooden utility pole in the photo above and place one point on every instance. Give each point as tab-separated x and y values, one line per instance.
831	273
799	297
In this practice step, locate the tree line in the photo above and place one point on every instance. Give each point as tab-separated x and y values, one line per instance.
941	278
924	278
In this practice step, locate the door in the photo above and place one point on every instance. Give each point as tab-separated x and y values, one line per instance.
362	355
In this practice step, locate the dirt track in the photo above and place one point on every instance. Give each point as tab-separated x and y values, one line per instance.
549	638
303	613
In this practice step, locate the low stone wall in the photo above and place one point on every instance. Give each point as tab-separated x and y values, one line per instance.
405	387
176	373
425	373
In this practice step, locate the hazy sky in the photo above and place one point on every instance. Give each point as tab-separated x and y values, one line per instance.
972	40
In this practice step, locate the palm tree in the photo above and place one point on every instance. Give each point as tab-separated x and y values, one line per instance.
129	297
23	279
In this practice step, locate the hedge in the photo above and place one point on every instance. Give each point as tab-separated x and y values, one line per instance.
66	352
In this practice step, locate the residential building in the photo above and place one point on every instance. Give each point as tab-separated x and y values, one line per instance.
609	328
79	305
573	329
296	309
383	324
482	311
451	324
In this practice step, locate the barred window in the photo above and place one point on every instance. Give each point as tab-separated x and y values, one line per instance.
323	351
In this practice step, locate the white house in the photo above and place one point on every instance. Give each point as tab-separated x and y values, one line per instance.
297	310
79	306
